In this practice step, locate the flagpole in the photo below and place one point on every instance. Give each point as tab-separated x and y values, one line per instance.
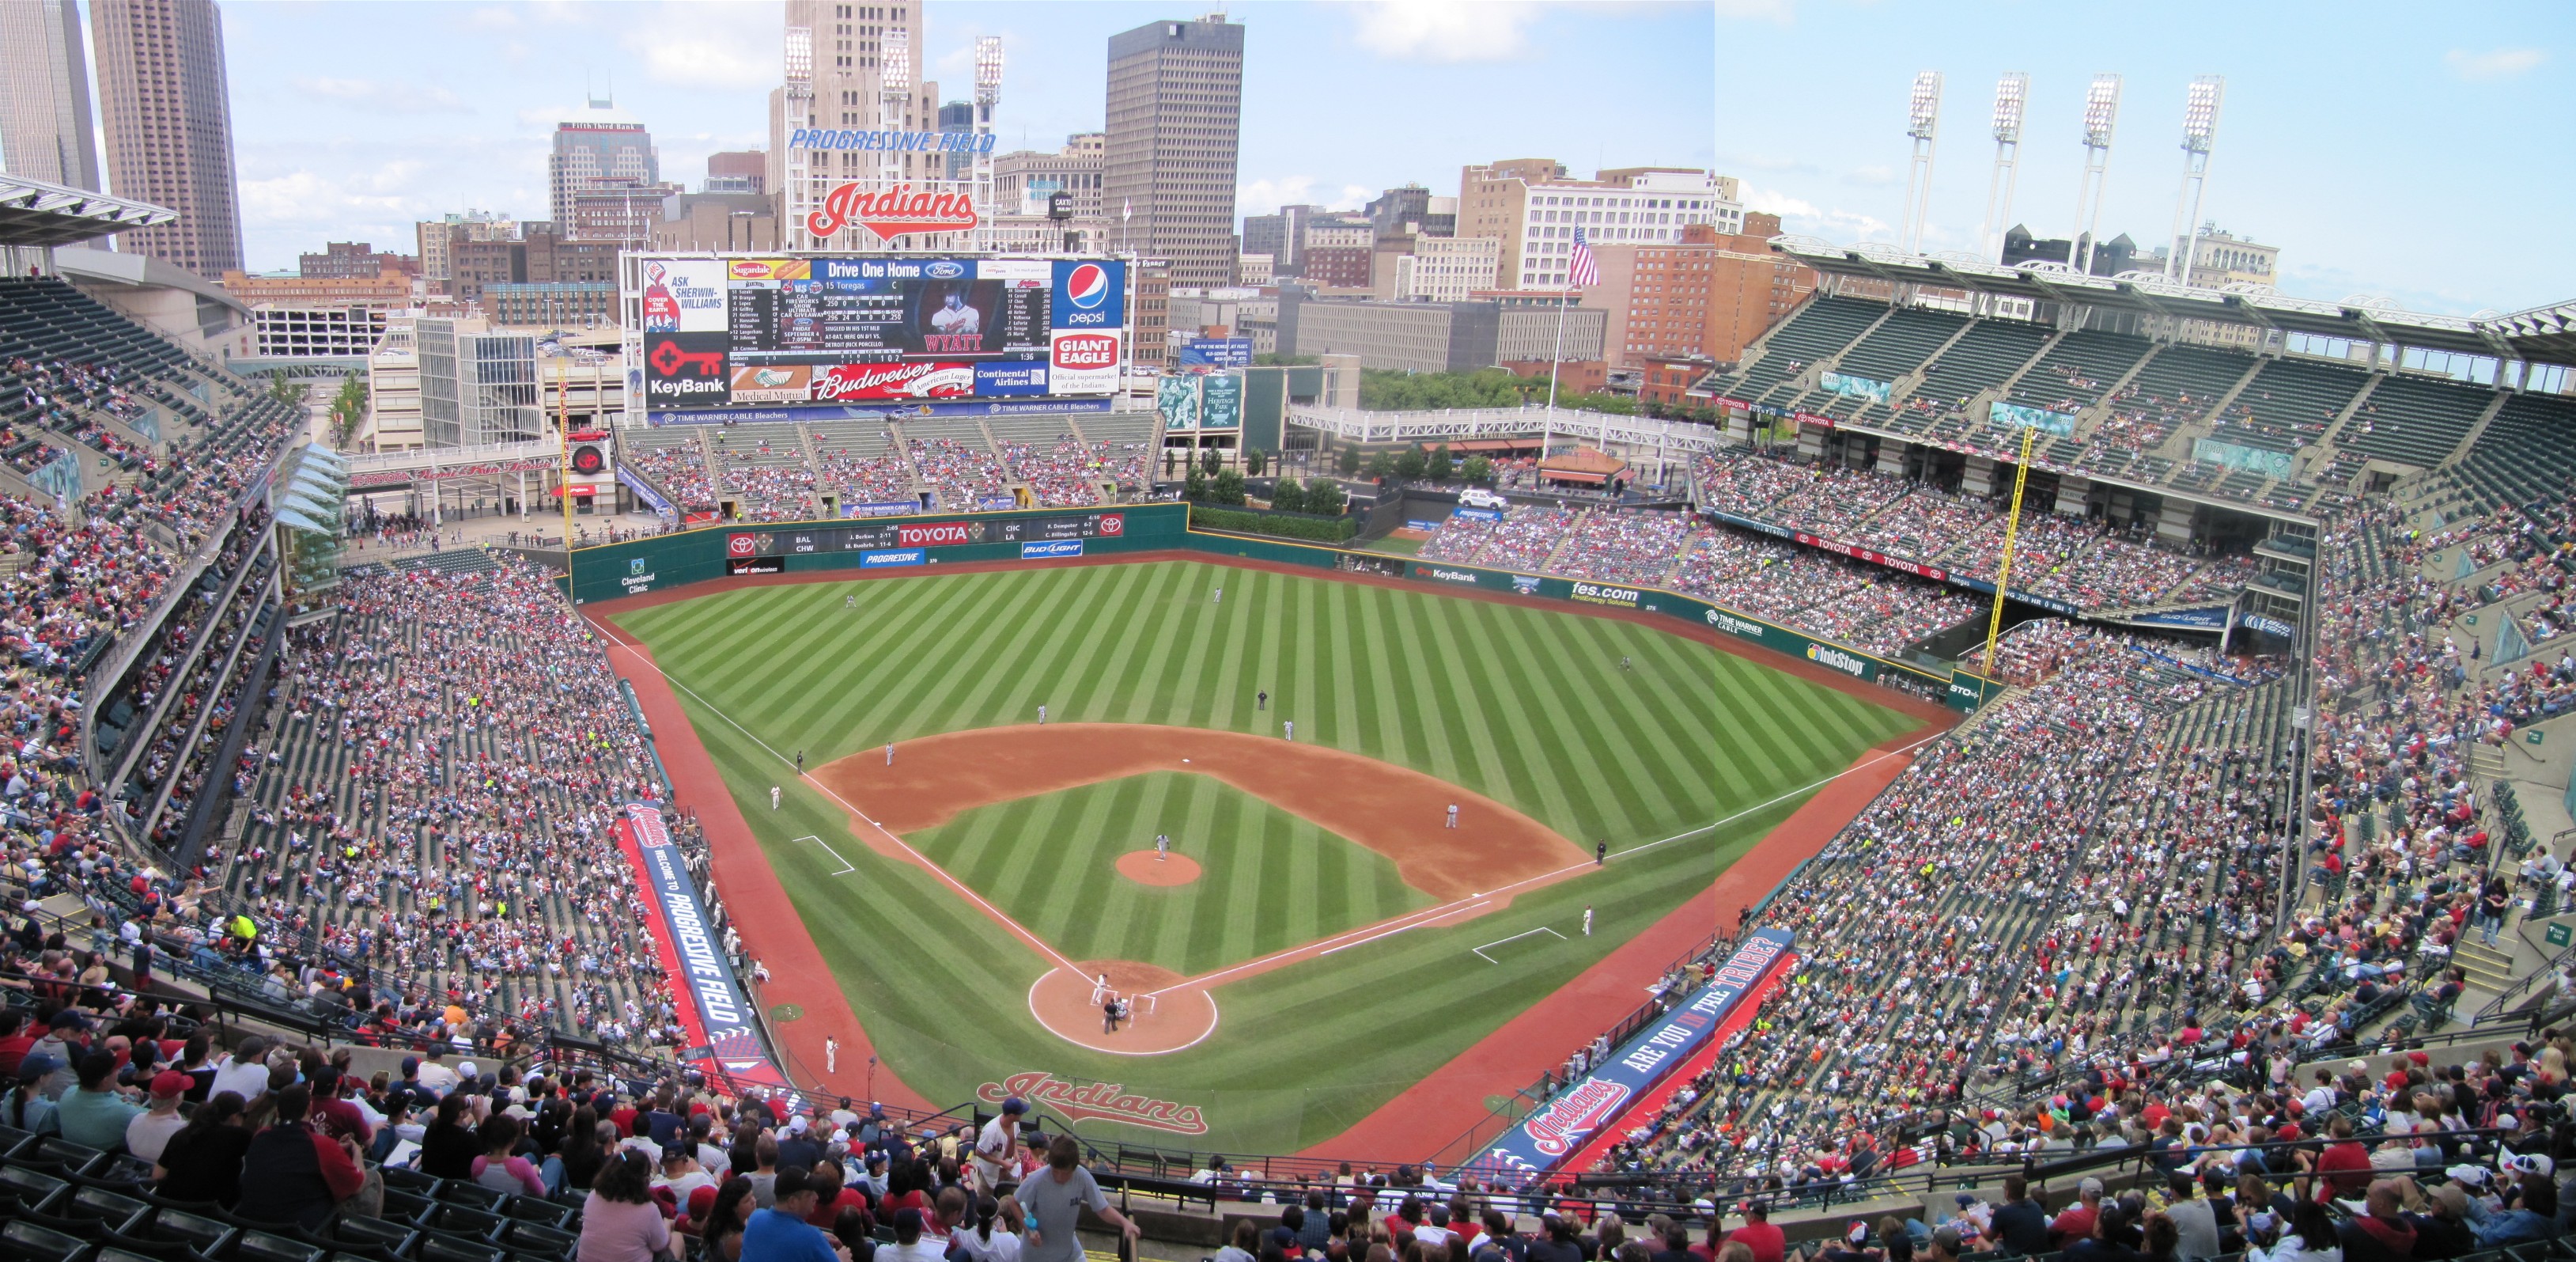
1547	424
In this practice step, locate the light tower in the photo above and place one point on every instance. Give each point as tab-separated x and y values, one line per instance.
1922	124
2011	92
2199	128
988	93
800	113
894	99
2101	114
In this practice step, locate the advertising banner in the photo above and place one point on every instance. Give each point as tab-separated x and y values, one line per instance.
772	383
1811	418
1221	401
1177	399
2016	416
1874	557
684	296
686	370
644	491
891	508
1088	294
1084	361
918	380
2243	459
1853	387
713	1006
1217	352
1545	1139
2207	618
892	557
2268	626
1014	378
1477	514
1051	548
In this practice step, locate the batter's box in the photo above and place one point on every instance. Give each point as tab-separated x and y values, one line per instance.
1525	936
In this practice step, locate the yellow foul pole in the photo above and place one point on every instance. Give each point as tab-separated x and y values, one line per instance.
563	434
2012	530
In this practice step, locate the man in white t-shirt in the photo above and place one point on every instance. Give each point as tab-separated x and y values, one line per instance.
245	1071
434	1073
997	1149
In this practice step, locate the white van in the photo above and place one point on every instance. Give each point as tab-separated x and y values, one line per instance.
1479	497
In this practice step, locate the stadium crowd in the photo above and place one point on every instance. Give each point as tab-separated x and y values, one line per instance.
965	476
1065	475
774	486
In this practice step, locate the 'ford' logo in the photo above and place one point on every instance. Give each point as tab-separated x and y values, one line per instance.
944	270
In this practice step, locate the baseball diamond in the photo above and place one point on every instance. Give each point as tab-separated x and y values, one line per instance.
1333	908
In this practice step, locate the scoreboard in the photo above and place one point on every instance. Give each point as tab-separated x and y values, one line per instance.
720	331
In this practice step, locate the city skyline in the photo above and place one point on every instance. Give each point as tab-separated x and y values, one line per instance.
1341	101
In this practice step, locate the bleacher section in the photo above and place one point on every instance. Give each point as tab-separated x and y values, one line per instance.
2527	452
765	466
2412	420
673	460
857	460
1820	328
1982	359
1891	350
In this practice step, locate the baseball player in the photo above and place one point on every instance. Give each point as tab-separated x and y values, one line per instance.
800	762
1261	701
831	1055
1099	987
773	797
850	601
1220	597
1162	847
1587	922
1601	853
889	753
1289	728
1453	815
1041	716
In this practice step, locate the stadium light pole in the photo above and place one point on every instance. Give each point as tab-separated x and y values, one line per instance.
800	114
988	94
2012	92
1923	127
2199	129
894	97
2101	116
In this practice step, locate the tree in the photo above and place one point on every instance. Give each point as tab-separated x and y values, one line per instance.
1288	497
1210	460
1440	470
1194	488
1478	469
1254	461
1229	486
291	393
1324	498
1411	464
1381	465
1349	462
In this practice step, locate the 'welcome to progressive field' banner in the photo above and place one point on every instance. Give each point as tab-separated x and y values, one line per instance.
713	1008
1546	1138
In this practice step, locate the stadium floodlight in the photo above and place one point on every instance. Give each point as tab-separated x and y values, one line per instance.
894	64
2012	92
988	68
1923	127
2199	132
2101	117
800	54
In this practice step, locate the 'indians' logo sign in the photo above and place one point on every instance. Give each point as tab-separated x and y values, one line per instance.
1095	1102
898	211
1576	1114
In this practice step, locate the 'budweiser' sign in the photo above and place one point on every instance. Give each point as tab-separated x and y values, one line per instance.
921	380
890	213
1096	1102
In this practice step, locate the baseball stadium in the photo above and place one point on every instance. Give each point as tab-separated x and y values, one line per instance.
2021	749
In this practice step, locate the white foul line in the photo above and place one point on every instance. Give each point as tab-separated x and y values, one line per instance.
1480	951
846	866
917	857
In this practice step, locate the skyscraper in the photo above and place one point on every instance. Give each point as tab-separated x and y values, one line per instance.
597	157
1175	122
839	59
45	128
168	118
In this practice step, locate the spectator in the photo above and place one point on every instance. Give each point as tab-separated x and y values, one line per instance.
1055	1199
291	1173
780	1233
2310	1237
2020	1225
94	1114
500	1168
2381	1233
1768	1243
2076	1221
619	1220
203	1162
150	1132
449	1147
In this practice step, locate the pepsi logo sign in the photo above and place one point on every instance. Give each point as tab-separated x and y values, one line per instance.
1087	286
944	270
1088	350
740	545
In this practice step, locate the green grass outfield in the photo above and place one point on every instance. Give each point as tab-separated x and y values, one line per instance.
1066	888
1523	704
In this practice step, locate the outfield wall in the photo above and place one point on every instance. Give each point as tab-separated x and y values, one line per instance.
635	567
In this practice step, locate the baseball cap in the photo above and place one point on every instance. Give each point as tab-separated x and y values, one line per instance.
2090	1184
2474	1176
36	1065
791	1180
2529	1163
170	1083
702	1202
68	1019
1015	1105
796	1125
1965	1199
410	1066
466	1069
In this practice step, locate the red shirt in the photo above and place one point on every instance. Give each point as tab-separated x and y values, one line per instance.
1767	1242
13	1049
2343	1170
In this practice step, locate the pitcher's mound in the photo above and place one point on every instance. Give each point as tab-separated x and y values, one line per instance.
1164	1020
1144	867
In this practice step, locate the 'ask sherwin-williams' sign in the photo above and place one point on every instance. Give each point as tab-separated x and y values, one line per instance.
1544	1139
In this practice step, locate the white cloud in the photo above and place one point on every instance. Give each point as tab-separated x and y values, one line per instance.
1445	30
374	96
1833	223
492	20
709	45
1265	197
2501	63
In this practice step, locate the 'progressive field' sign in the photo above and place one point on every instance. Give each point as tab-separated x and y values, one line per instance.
1545	1138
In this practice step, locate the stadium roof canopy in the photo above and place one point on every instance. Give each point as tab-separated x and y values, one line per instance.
2541	335
35	213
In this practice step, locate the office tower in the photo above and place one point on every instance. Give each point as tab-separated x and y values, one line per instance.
168	119
45	128
1174	122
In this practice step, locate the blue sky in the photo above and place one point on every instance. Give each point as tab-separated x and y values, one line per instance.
2387	149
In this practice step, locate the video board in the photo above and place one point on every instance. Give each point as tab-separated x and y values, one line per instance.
723	331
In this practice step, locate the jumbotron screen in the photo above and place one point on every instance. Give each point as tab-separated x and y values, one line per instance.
720	332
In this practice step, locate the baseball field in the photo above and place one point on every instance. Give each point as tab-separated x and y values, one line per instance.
1316	938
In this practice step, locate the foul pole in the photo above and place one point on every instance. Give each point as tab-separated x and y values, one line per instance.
2012	531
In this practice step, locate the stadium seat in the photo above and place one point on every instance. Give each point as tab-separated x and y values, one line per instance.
548	1214
470	1195
410	1180
269	1246
442	1248
192	1234
366	1239
24	1241
458	1220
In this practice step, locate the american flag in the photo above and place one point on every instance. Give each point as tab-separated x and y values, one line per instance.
1581	270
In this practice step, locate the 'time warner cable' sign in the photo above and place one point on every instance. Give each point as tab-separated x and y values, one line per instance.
1547	1137
890	213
